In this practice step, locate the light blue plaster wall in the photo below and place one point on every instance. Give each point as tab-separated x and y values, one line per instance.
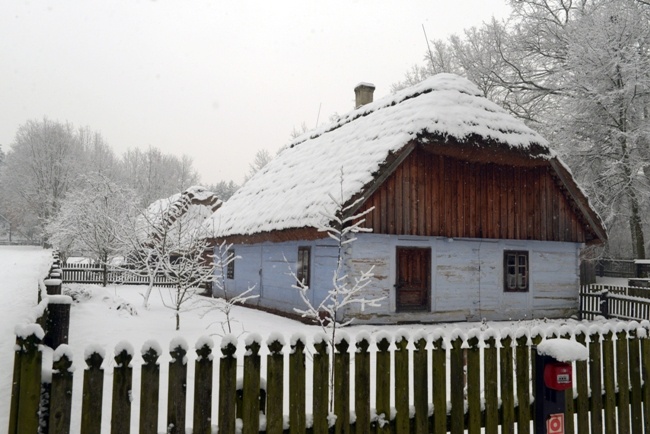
467	277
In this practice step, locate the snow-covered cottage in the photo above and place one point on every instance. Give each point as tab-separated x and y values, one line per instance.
473	215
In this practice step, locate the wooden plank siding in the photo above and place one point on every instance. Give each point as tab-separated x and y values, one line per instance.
435	195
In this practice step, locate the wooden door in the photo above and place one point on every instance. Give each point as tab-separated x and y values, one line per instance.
413	286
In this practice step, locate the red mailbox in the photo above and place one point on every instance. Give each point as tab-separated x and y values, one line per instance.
558	376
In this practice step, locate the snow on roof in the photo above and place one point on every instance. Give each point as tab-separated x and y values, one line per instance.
292	191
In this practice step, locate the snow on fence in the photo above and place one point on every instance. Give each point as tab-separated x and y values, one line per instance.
608	301
94	274
461	381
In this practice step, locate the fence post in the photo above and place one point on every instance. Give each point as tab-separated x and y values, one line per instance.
342	384
609	374
30	379
61	392
251	389
58	320
149	387
604	303
91	406
635	379
227	385
15	386
582	402
402	420
361	383
623	380
52	286
203	386
297	416
177	387
595	380
122	379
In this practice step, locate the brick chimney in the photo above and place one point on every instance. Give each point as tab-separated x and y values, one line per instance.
363	93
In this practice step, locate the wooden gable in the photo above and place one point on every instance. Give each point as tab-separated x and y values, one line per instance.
438	191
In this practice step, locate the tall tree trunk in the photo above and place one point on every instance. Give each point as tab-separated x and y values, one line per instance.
636	228
178	318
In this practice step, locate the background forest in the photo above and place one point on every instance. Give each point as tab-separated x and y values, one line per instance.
578	71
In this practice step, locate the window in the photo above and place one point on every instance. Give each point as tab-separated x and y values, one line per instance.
230	267
515	271
302	266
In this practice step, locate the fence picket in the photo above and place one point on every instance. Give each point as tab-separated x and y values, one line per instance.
149	390
274	388
635	383
522	356
361	386
595	381
457	377
382	385
61	396
297	380
177	388
474	386
490	376
609	383
507	393
251	391
93	391
203	389
439	385
582	401
569	414
30	385
121	408
402	419
645	372
15	387
227	387
622	377
342	386
420	384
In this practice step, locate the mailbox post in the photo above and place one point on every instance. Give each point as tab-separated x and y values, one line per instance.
553	376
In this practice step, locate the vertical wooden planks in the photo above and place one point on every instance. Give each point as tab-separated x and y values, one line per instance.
30	383
645	372
636	380
251	391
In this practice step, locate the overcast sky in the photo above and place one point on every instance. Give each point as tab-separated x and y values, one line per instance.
216	80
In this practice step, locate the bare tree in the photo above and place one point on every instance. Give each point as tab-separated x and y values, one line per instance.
91	218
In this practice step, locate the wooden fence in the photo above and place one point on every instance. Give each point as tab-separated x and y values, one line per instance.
457	383
608	301
94	274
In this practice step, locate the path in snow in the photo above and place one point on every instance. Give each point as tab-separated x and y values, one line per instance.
20	269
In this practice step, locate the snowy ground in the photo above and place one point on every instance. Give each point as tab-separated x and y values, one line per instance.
109	315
